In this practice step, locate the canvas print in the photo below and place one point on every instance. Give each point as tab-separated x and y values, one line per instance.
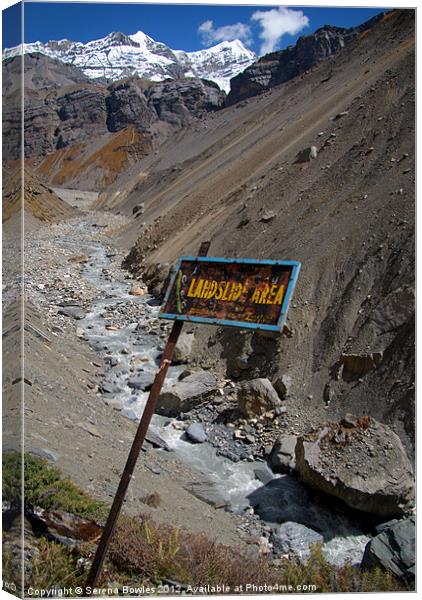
208	299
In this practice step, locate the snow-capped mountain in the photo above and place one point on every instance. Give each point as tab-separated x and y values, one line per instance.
119	55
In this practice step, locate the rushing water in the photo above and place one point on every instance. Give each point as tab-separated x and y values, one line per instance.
235	481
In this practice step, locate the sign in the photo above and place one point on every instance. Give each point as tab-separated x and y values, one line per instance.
232	292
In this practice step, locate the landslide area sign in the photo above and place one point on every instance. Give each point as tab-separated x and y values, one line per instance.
232	292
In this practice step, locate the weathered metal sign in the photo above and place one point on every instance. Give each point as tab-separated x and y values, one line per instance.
232	292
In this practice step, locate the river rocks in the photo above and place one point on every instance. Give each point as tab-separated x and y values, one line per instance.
256	397
282	458
294	537
137	290
184	395
74	312
196	433
393	549
183	350
365	466
142	381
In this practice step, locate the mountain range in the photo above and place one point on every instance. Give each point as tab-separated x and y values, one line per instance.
119	55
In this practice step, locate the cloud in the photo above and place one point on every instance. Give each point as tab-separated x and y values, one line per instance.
277	22
211	35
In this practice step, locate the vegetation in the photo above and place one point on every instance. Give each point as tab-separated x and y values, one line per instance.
144	552
44	487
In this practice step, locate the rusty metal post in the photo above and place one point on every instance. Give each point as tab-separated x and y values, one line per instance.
138	441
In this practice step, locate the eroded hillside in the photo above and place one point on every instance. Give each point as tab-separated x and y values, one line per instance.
348	215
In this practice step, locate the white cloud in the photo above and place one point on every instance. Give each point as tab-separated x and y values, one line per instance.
211	35
277	22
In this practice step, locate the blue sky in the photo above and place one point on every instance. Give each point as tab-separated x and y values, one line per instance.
183	27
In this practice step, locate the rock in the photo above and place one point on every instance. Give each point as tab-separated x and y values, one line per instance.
43	453
360	364
157	441
184	395
306	155
268	216
106	387
256	397
196	433
137	290
282	458
80	258
80	333
283	386
341	114
69	525
207	492
183	350
138	208
74	312
358	466
345	549
263	475
295	538
143	381
393	549
90	428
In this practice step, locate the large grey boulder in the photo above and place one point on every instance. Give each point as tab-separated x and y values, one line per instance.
283	458
361	462
183	350
257	397
294	537
142	381
393	549
184	395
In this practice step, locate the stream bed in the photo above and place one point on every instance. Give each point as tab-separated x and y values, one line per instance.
136	348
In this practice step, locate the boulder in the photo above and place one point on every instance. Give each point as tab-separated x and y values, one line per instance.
257	397
196	433
184	395
364	465
142	381
138	208
69	525
295	537
393	549
207	492
282	457
183	349
74	312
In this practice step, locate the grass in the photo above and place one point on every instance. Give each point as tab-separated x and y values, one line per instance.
144	552
44	487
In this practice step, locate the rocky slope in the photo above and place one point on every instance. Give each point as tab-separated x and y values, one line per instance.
278	67
119	55
347	215
39	201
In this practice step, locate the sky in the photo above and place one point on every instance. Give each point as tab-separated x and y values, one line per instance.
182	27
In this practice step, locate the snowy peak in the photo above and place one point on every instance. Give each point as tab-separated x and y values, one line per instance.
119	55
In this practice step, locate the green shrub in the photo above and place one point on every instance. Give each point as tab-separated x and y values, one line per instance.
44	487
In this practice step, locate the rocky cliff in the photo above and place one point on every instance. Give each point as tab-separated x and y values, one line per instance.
278	67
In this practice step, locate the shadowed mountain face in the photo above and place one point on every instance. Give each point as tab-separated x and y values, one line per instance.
347	214
278	67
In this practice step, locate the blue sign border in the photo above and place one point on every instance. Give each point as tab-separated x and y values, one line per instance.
227	323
